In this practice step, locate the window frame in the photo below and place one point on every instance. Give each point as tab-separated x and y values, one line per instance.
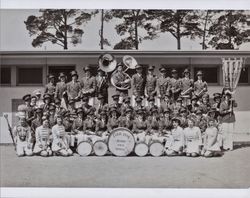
247	66
217	66
18	67
6	84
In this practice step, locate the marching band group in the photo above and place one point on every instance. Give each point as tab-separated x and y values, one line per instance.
178	112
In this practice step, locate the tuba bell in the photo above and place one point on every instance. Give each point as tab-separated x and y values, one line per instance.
129	62
107	62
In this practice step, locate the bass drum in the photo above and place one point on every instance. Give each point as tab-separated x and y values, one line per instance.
84	148
141	149
100	148
121	142
156	148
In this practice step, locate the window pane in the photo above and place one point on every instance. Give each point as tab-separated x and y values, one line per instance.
30	75
55	70
210	75
244	76
5	76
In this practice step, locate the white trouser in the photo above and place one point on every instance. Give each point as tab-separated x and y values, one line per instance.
22	148
227	130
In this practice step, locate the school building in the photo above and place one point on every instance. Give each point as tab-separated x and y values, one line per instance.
24	71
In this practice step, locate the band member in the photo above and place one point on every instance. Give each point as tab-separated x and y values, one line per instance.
43	140
68	124
50	88
176	140
193	107
33	102
22	136
186	84
200	86
138	105
151	105
193	139
162	86
85	105
174	85
138	84
200	121
59	109
88	85
102	85
73	87
29	111
47	101
165	103
38	94
89	125
211	143
125	105
183	117
127	120
52	113
60	144
102	125
72	106
150	87
140	126
217	101
205	106
121	80
113	121
153	132
77	126
116	103
176	106
102	105
36	122
164	123
61	87
227	120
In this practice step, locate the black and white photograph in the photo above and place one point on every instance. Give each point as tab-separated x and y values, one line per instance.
125	98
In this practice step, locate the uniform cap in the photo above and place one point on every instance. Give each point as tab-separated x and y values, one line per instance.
74	73
151	67
126	100
46	96
138	67
176	119
199	73
186	71
116	96
173	71
27	97
162	69
138	99
51	76
86	68
61	75
37	92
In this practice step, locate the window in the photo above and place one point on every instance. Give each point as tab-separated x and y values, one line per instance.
5	76
210	74
56	70
244	76
29	76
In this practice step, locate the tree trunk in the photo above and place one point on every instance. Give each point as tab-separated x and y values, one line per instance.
65	41
101	31
204	31
178	37
136	30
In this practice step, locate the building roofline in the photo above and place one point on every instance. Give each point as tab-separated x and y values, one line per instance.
182	53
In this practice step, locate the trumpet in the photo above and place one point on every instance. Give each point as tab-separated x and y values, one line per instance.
187	91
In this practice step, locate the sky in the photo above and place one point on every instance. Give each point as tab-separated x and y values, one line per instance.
14	36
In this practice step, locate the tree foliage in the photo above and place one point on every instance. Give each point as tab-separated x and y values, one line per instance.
134	27
229	30
57	26
179	23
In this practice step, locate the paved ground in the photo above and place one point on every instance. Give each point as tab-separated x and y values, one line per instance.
230	171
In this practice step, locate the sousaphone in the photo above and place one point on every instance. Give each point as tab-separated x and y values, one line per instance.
129	62
107	62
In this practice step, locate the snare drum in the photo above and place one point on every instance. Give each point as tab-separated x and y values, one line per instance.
156	148
84	148
141	149
100	148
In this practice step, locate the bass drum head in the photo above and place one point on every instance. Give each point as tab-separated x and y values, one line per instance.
141	149
156	149
100	148
121	142
84	148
